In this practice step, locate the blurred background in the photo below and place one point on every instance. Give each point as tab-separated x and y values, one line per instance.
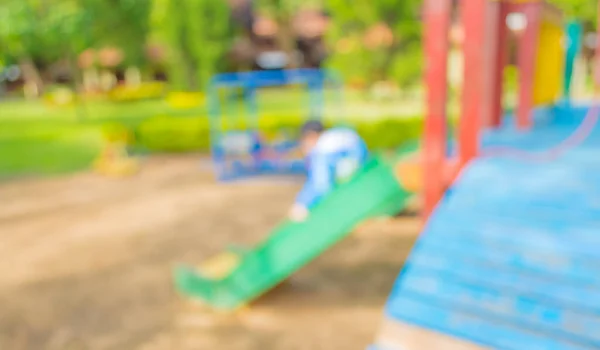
121	64
87	257
127	63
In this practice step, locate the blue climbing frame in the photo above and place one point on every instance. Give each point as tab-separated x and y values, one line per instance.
240	152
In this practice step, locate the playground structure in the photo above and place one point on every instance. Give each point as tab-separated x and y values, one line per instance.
506	258
574	43
238	149
540	63
238	276
114	160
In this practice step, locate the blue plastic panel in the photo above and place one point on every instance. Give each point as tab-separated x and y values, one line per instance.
510	259
272	78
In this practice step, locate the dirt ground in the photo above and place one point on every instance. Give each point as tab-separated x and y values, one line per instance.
86	262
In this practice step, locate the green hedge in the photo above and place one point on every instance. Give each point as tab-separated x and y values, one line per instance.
184	134
173	134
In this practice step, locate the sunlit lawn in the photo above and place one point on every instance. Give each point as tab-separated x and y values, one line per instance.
36	138
39	139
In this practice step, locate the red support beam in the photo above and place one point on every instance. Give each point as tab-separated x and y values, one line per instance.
474	18
437	25
526	61
498	46
597	54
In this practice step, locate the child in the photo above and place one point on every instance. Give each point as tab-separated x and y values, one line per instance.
333	156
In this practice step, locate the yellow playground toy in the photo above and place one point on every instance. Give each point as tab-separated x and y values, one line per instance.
114	160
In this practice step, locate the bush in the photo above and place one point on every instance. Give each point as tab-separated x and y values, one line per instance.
116	132
389	132
145	91
174	134
59	97
186	100
184	134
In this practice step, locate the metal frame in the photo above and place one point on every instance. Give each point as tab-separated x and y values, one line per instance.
315	81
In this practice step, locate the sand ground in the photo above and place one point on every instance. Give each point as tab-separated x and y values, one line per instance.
86	262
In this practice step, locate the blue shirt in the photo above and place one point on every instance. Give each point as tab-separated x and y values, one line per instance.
337	154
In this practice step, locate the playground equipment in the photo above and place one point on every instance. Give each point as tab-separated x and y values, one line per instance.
541	66
238	148
507	257
574	43
236	277
506	260
114	159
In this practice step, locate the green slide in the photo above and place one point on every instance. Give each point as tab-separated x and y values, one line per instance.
245	275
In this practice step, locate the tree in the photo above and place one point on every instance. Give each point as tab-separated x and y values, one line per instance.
198	33
46	31
585	11
124	24
40	32
367	57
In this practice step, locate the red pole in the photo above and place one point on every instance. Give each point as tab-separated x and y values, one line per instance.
499	57
474	16
597	54
437	25
526	60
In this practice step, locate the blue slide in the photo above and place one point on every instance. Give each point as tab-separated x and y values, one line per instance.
510	259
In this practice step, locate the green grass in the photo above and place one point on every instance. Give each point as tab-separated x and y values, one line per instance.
49	150
23	111
37	139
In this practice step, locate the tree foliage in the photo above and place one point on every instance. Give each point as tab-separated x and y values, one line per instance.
585	11
198	34
52	29
124	24
400	60
43	30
